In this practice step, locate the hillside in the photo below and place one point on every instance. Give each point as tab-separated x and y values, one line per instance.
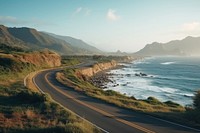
19	62
77	43
31	39
25	109
187	46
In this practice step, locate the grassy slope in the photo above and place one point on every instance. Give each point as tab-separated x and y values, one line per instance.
69	77
167	110
23	110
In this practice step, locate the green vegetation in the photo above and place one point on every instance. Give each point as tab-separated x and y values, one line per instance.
96	58
16	65
73	78
193	114
23	110
11	69
197	100
69	61
8	49
166	110
102	58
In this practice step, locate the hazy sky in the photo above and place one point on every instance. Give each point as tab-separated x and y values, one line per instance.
110	25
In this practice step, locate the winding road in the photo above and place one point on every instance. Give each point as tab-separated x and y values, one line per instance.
107	117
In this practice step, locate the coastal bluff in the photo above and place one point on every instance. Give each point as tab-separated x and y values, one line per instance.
47	58
19	61
92	70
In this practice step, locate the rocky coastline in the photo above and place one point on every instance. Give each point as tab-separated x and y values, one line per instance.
101	78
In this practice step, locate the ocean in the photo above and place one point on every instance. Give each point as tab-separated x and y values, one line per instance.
165	78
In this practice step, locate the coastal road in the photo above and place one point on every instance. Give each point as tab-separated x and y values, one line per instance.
106	116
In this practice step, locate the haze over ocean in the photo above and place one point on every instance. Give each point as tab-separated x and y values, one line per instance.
168	78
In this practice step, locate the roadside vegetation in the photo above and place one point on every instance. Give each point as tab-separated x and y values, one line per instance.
12	66
26	110
193	114
70	60
72	78
22	110
167	110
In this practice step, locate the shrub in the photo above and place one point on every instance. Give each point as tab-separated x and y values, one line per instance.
31	97
153	100
133	98
172	104
56	129
111	93
196	101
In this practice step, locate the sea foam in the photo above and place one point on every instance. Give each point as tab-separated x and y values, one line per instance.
167	63
176	82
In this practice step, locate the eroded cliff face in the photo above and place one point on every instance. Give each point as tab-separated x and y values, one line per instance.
20	61
46	58
90	71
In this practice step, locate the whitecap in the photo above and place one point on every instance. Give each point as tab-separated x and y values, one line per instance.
167	63
186	94
143	87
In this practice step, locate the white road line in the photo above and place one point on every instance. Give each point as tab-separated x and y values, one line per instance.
37	85
67	108
173	123
100	127
25	80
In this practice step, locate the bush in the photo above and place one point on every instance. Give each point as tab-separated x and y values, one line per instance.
31	97
196	101
172	104
56	129
111	93
154	101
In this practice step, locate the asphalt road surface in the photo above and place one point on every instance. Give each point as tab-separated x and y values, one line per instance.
106	116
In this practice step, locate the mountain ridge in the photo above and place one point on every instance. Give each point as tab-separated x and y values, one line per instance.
187	46
31	39
76	42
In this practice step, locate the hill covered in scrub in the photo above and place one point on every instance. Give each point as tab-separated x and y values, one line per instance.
23	109
30	39
18	64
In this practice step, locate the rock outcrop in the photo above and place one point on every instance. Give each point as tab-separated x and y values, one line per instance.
46	58
90	71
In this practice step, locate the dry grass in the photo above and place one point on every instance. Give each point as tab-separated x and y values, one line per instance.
29	82
69	78
27	110
34	111
165	110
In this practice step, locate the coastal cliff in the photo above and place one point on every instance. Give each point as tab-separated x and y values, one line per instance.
47	58
20	61
90	71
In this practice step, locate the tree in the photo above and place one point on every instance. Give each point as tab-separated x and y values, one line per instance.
197	100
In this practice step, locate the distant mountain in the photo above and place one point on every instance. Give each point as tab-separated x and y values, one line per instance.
117	53
187	46
31	39
76	43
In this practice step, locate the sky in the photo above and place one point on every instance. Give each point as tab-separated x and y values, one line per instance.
110	25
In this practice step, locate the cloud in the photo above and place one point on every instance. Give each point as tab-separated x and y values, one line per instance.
112	16
83	11
11	20
78	10
193	26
